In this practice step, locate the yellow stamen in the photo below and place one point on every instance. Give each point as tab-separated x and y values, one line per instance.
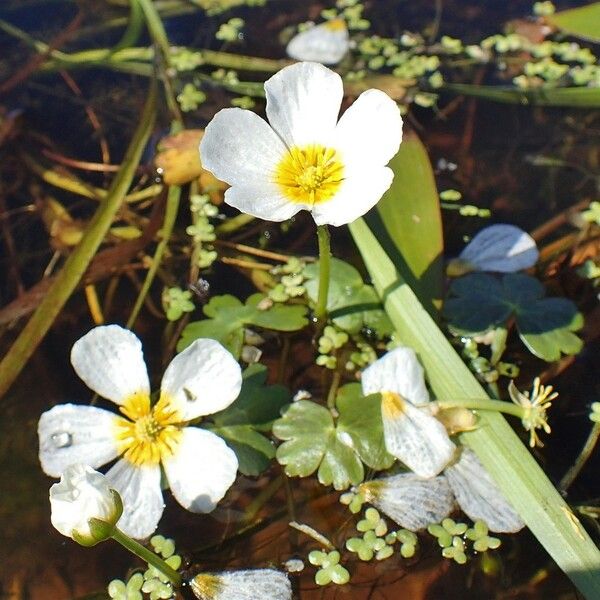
152	433
310	175
392	405
206	586
335	25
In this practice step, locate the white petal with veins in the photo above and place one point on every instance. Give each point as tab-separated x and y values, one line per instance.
110	361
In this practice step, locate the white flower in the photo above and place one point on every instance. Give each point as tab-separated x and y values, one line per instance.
199	466
326	43
500	248
479	497
414	502
83	494
411	501
305	158
257	584
411	433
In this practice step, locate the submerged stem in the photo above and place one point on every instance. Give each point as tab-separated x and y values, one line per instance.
585	453
148	556
324	271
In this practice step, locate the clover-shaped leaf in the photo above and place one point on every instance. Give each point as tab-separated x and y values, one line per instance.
360	419
312	442
253	411
480	302
351	303
227	317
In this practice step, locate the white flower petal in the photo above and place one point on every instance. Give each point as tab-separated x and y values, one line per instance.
256	584
71	434
201	380
326	43
303	103
479	497
143	505
416	438
81	494
262	200
201	470
358	193
501	248
109	360
369	132
409	500
397	371
239	147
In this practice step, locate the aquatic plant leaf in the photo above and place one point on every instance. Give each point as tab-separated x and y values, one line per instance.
575	97
228	317
582	22
410	214
351	303
253	411
360	419
509	463
311	442
479	302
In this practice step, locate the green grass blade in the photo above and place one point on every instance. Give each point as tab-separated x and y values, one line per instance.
409	217
574	97
583	22
498	447
74	268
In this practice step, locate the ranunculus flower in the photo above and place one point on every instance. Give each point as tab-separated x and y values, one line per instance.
198	465
411	433
83	494
304	158
326	43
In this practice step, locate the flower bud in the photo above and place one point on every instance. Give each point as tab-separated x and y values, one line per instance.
83	505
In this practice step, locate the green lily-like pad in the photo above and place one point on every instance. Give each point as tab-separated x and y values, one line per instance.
336	449
479	302
351	303
227	317
253	412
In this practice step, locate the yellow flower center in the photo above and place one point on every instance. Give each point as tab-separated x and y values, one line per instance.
335	25
310	175
206	585
152	434
392	405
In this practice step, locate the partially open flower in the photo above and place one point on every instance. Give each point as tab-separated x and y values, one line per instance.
305	158
83	494
199	466
257	584
326	43
411	433
500	248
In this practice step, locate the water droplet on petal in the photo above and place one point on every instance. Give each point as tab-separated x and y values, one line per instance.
62	439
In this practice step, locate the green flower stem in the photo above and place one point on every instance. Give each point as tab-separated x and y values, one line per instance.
324	271
165	235
76	264
585	453
333	389
148	556
495	405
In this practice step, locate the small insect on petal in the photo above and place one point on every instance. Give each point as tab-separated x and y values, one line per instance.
257	584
